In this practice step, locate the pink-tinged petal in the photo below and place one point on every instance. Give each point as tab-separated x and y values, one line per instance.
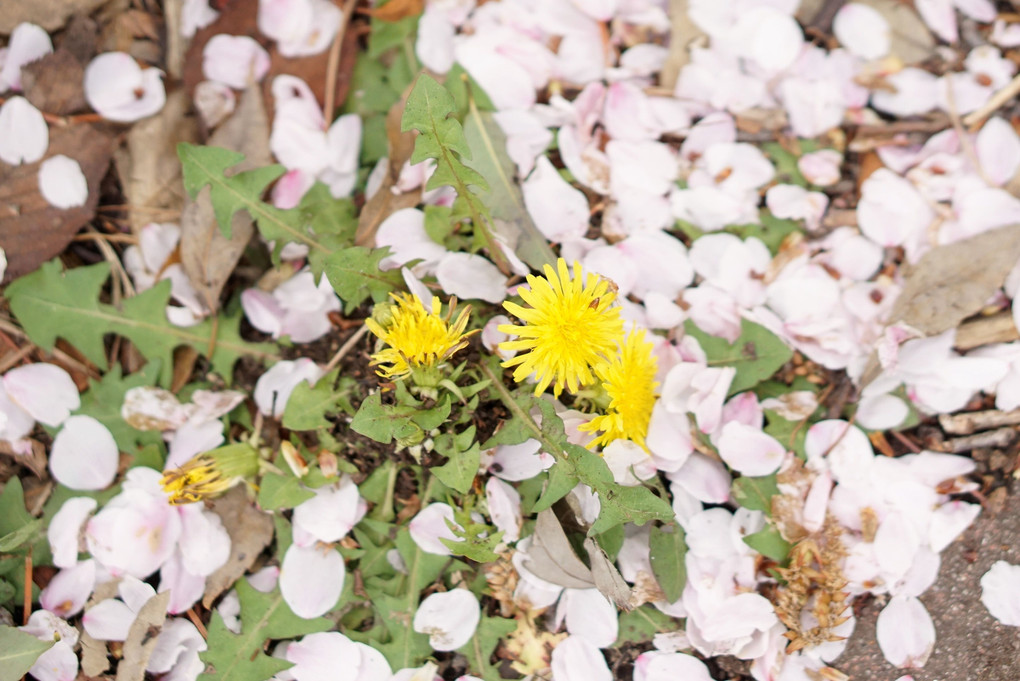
263	311
749	450
135	533
559	210
297	139
374	666
915	91
655	666
471	277
590	615
905	633
108	620
265	579
331	513
289	189
27	43
191	439
1000	592
119	90
233	60
948	522
324	656
705	479
577	659
449	618
65	529
84	455
62	183
896	544
178	641
998	149
67	592
510	83
150	408
504	508
43	390
845	447
821	168
920	576
816	502
404	233
135	593
862	30
429	526
796	203
770	37
434	46
185	588
311	30
204	543
196	14
628	462
311	580
24	136
15	422
744	408
274	387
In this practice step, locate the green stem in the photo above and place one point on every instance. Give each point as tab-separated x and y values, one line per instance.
508	400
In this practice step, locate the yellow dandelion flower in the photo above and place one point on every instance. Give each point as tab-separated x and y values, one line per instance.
416	338
570	327
210	474
629	380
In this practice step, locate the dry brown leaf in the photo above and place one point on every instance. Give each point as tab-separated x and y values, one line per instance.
31	230
148	166
49	14
951	283
94	660
209	257
954	281
912	42
552	558
250	531
682	34
141	639
608	579
54	83
385	202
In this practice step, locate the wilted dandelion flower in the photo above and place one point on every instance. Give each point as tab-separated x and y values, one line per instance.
570	327
417	339
629	380
210	474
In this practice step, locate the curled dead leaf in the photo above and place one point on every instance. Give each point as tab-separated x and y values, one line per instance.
250	531
141	639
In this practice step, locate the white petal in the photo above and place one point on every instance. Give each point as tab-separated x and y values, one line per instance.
590	615
67	592
905	633
949	521
234	60
62	183
429	526
24	136
324	656
577	659
504	508
654	666
862	30
84	455
43	390
750	450
205	544
449	618
108	620
470	276
311	580
65	528
559	210
119	90
185	588
179	636
28	43
998	148
274	387
331	513
1000	592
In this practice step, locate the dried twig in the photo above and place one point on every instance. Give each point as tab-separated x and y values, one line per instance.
972	422
990	438
1011	90
997	328
333	65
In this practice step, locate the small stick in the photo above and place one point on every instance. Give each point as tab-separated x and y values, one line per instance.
26	605
333	65
197	621
990	438
1011	90
345	348
971	422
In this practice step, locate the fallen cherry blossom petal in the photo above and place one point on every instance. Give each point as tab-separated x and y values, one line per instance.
45	391
577	659
591	616
27	43
24	136
311	579
65	528
1000	592
905	633
504	508
84	455
862	30
234	60
656	666
62	183
67	592
330	514
429	526
120	90
559	210
469	276
449	618
274	387
59	663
